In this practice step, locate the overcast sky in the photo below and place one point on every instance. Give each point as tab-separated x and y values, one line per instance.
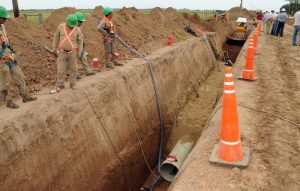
190	4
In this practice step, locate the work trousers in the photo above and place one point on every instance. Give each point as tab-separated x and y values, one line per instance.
280	28
268	26
109	47
296	33
274	28
9	76
84	63
64	61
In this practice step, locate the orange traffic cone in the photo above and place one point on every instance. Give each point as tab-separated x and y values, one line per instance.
230	151
255	38
249	73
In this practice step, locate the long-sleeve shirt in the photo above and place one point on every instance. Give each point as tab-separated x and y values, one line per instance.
266	15
282	17
4	41
297	18
105	24
76	39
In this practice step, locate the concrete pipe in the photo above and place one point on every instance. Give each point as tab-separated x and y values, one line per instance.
170	167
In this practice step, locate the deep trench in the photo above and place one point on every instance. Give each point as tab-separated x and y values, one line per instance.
195	113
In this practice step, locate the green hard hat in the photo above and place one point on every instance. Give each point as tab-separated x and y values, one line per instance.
72	20
3	13
107	10
80	16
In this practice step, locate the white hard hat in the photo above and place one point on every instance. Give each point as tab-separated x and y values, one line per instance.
283	10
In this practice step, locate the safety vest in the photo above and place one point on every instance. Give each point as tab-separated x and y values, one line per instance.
110	24
67	40
4	40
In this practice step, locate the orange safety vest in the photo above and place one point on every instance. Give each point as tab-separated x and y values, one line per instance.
110	24
4	39
67	39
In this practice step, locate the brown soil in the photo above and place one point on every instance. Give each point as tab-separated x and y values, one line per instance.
274	143
145	32
57	143
236	12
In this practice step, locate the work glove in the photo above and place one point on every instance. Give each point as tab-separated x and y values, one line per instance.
111	34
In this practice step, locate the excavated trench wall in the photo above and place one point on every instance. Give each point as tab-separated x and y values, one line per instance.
58	143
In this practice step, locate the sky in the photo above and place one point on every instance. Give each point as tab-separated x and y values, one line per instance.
178	4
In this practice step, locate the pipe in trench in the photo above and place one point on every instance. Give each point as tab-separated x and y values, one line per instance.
170	167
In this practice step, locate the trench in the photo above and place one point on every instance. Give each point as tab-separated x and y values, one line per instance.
87	139
193	116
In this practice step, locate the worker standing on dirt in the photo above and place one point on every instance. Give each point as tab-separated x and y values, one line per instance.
282	17
106	28
269	21
266	15
83	59
297	28
69	42
274	24
9	68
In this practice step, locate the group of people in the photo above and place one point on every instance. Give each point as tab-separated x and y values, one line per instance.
68	43
273	23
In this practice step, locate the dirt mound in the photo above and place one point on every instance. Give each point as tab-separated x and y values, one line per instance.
98	12
236	12
144	31
28	40
57	17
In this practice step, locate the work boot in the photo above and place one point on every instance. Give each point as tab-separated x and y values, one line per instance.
109	65
29	98
11	104
91	73
118	64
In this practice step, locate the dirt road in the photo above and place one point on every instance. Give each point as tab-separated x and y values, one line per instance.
274	143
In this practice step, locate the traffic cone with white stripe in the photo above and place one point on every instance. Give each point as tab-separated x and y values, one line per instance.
230	151
249	72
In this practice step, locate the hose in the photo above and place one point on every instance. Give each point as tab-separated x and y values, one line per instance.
161	120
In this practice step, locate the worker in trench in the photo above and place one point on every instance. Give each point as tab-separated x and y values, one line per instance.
106	28
83	59
10	70
68	42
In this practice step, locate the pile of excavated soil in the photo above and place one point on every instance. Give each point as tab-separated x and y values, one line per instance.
236	12
29	39
145	32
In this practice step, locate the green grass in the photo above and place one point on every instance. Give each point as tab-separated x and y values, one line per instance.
32	15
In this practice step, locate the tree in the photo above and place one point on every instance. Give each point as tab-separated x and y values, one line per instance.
292	7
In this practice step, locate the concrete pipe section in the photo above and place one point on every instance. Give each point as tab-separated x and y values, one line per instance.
174	161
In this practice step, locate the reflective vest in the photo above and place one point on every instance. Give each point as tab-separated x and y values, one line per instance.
109	24
67	40
4	40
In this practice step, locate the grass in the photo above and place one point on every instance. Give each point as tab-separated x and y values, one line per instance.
33	15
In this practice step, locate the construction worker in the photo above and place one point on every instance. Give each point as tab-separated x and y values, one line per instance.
106	28
84	61
282	17
9	68
296	27
69	43
269	22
